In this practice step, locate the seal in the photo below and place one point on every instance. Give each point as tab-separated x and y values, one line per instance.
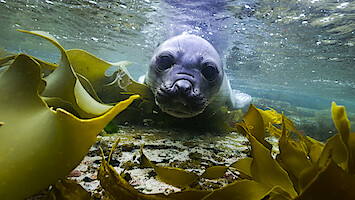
186	75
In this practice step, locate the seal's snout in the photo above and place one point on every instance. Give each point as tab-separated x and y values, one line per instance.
180	99
182	87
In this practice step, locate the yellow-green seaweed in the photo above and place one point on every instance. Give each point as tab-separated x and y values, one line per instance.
243	166
67	189
214	172
292	156
115	186
240	190
39	144
331	182
174	176
64	83
253	123
110	88
264	169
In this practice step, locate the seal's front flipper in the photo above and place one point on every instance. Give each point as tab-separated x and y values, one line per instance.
141	79
241	100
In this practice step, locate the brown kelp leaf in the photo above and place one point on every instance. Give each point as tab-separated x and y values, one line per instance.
5	60
63	83
270	116
56	102
144	161
266	170
242	128
334	149
173	176
67	189
254	124
2	69
47	67
243	165
342	124
330	183
314	147
240	190
188	195
292	155
39	145
88	87
115	186
352	151
273	131
277	193
110	88
307	175
214	172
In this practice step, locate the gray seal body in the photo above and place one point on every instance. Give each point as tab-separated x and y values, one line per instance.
186	75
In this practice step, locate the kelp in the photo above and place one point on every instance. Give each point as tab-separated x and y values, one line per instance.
67	189
41	143
51	114
115	186
303	169
112	88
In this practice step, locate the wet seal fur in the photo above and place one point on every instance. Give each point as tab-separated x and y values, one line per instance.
186	75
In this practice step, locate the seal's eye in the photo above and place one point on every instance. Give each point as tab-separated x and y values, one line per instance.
164	62
210	72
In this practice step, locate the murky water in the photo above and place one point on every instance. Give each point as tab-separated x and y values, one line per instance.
301	52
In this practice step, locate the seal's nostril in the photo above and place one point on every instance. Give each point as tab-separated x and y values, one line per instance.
183	86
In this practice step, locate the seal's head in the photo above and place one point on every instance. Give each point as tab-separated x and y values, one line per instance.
185	74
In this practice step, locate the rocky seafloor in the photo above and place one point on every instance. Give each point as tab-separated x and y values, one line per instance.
176	148
192	151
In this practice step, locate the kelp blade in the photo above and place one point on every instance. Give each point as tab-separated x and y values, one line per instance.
38	145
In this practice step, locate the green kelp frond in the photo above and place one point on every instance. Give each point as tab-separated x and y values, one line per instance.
109	88
266	170
41	143
303	169
67	189
64	83
174	176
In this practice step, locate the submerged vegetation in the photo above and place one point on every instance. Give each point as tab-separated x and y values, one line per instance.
51	114
49	121
303	169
